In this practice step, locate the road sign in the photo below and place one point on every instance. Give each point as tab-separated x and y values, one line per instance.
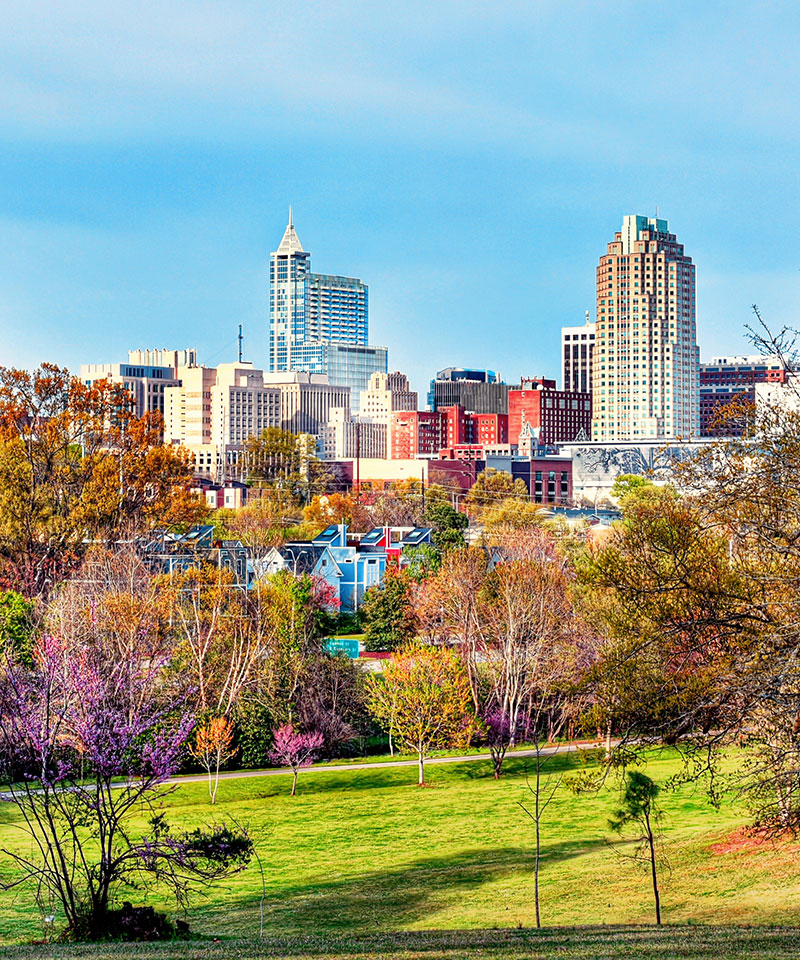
346	645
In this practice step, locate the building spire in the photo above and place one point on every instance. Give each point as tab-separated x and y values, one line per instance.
290	242
290	215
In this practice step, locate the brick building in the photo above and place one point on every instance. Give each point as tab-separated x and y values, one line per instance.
726	379
551	415
422	433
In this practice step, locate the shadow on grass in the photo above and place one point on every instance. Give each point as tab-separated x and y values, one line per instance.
385	900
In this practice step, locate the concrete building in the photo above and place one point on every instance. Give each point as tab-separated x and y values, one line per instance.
726	379
346	438
481	391
577	351
162	357
146	384
645	376
386	394
778	395
307	400
215	410
545	415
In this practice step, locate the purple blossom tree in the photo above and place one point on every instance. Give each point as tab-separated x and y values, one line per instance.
294	749
500	734
87	745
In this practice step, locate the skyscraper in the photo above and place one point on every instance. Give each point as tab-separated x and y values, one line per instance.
289	268
319	323
645	376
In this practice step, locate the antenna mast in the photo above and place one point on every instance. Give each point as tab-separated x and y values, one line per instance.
241	341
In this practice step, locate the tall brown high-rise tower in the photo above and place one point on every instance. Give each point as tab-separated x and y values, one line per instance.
645	377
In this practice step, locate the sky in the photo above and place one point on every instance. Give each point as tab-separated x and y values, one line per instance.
468	160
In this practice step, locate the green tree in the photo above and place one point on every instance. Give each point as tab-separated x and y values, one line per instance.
639	808
17	625
388	611
448	525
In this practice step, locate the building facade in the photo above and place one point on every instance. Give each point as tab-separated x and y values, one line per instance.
481	391
577	352
146	384
728	379
346	438
386	394
645	373
545	415
337	308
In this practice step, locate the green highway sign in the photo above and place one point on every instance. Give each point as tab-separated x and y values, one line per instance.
345	645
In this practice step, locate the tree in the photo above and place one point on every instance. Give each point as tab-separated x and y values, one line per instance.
17	624
295	750
424	697
325	509
448	607
508	515
388	610
286	462
76	465
628	483
213	746
78	709
448	525
639	807
495	486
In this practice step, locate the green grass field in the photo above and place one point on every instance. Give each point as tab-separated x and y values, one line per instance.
365	853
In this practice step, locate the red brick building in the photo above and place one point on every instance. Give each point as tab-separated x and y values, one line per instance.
419	432
553	415
729	379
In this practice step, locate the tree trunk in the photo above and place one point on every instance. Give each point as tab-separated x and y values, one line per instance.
608	742
294	782
538	837
421	782
653	872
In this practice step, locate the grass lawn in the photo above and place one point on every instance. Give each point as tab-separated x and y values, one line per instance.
365	853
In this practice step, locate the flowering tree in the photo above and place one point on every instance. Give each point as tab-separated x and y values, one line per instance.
293	749
74	710
213	745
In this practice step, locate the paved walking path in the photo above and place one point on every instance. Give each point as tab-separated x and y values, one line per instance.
367	765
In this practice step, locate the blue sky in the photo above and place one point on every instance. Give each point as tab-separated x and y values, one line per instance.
469	161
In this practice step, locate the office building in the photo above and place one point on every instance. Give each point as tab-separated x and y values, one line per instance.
577	350
337	308
346	438
481	391
344	364
544	415
645	371
728	379
215	410
386	394
146	383
319	323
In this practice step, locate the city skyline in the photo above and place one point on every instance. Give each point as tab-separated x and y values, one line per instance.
142	192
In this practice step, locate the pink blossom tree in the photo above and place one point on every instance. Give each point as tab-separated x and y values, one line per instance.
87	745
293	749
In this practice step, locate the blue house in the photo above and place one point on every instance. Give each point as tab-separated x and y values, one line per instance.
362	566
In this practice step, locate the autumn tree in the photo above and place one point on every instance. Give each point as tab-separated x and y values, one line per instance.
213	746
492	487
87	744
77	465
424	696
448	608
448	525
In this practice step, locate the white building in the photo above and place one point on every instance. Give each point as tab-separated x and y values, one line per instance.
215	410
343	438
387	393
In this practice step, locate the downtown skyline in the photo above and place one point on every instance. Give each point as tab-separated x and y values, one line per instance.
142	194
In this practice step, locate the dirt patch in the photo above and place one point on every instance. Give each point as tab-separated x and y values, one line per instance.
753	839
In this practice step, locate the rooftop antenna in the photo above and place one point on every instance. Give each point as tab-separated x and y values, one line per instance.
241	341
587	318
290	214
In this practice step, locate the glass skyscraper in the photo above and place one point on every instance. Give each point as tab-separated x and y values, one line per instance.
319	323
